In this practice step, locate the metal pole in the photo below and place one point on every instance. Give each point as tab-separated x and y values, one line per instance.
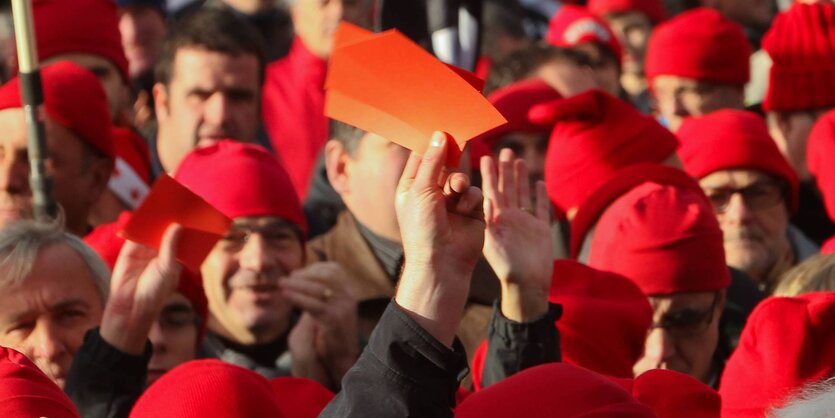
31	91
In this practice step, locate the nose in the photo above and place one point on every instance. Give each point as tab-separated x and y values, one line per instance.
157	337
47	343
14	175
659	347
737	212
216	112
256	255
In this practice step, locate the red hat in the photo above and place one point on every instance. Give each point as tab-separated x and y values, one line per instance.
74	98
786	343
820	158
733	139
132	169
828	246
653	9
671	394
604	322
300	398
208	389
574	25
514	102
261	186
26	391
596	134
664	238
801	43
708	47
79	26
107	243
554	390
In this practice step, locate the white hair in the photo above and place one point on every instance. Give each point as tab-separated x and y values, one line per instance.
21	242
815	401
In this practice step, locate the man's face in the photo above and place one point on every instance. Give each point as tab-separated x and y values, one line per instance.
684	335
46	317
211	96
316	21
241	277
530	147
633	30
78	179
751	209
606	68
115	87
676	98
370	182
143	31
174	336
791	135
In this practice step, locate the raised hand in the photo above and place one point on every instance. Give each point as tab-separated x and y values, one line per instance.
518	241
142	281
442	228
328	326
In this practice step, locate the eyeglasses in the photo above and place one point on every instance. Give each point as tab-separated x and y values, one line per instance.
275	235
688	322
757	196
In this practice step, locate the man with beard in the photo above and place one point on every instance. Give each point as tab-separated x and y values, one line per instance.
753	190
265	307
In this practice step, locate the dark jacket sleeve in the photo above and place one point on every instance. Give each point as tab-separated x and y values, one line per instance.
403	372
513	346
104	382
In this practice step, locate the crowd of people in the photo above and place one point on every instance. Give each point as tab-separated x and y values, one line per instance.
651	233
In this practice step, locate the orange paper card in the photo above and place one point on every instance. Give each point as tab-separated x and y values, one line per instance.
170	202
388	85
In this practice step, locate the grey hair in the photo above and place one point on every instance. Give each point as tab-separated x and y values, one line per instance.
21	242
815	401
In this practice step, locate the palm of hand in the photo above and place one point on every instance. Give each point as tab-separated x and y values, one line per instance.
518	244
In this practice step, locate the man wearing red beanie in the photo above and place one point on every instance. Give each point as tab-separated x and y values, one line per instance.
800	43
696	63
78	137
753	191
787	343
293	108
632	22
574	27
820	152
26	392
86	32
208	86
596	134
265	307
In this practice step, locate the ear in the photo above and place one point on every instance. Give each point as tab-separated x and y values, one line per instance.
160	92
336	164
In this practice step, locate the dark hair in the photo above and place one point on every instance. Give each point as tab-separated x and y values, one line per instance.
522	63
211	29
348	135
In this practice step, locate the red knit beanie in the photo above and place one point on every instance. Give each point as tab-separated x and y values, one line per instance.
653	9
300	398
828	246
733	139
596	134
801	43
79	26
74	98
27	392
574	25
604	322
208	389
786	343
671	394
700	44
554	390
107	243
241	180
820	158
664	238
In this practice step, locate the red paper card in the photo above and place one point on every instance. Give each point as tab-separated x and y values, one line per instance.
388	85
170	202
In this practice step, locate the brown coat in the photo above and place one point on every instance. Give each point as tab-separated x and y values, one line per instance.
373	289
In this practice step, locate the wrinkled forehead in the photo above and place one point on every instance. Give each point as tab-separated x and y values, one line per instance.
663	305
736	178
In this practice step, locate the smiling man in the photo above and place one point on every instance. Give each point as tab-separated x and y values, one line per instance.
208	85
